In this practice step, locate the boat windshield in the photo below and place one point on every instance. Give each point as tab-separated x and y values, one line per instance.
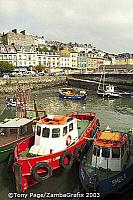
38	130
115	152
96	151
45	132
55	132
106	152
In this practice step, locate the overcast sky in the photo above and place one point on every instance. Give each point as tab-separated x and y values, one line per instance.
106	24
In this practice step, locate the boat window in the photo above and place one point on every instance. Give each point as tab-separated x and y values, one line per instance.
70	127
64	130
38	130
45	132
105	152
122	150
115	152
55	132
13	131
96	151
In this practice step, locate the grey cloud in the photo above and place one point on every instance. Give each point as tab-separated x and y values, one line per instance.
107	24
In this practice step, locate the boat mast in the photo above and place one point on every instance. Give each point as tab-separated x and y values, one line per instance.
103	77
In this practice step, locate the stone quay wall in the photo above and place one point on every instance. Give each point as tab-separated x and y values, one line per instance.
91	81
9	85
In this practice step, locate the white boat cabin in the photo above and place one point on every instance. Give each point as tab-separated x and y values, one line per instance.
54	133
110	88
110	150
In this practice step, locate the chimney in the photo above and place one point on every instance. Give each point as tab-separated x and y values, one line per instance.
14	30
23	32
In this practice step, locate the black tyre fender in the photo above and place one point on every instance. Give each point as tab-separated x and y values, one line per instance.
69	156
38	166
10	163
78	153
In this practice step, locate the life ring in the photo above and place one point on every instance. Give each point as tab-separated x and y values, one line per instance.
10	163
68	140
66	160
78	153
46	167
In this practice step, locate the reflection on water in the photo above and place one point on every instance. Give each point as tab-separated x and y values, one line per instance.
113	112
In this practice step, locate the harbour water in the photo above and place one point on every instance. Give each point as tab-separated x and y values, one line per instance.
117	113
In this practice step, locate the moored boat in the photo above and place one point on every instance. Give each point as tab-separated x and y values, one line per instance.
108	165
13	131
12	101
72	94
126	94
106	90
58	142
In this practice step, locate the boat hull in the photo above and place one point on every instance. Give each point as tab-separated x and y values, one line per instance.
107	95
108	185
7	149
75	97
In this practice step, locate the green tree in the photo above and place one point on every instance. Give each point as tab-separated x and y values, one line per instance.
6	67
39	68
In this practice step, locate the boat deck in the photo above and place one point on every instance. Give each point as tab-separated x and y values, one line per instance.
7	139
82	125
101	173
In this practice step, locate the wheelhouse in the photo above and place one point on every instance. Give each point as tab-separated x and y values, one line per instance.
53	134
110	150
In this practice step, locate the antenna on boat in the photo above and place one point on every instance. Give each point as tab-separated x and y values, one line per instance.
35	108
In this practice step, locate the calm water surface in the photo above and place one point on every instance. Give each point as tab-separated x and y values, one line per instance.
116	113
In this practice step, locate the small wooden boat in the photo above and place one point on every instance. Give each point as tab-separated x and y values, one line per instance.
12	101
108	165
13	131
58	141
72	94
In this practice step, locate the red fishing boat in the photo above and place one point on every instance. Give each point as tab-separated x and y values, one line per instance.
57	143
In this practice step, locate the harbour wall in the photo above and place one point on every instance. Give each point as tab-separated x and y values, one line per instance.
91	81
9	85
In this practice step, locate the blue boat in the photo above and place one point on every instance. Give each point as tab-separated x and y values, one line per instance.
108	165
126	94
72	94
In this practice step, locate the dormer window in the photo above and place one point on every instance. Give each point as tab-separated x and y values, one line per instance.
55	132
38	130
45	132
70	127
